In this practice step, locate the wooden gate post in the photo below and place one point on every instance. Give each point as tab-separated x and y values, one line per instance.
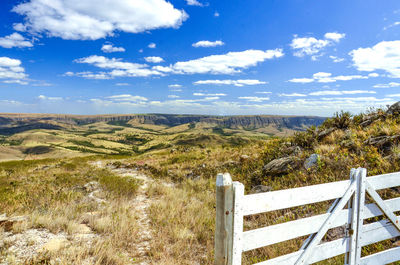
224	220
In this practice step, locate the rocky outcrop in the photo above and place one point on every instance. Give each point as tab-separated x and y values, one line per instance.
382	141
282	165
260	189
394	109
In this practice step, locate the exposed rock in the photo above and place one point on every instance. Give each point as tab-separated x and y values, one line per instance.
294	150
325	132
368	120
260	189
394	109
7	223
382	142
91	186
312	161
282	165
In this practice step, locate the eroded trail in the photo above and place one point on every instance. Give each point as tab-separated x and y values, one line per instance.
140	203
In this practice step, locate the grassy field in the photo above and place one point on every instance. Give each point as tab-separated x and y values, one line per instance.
102	226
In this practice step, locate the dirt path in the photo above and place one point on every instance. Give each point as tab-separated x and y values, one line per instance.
141	203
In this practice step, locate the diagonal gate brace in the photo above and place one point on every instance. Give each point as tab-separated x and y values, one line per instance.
382	205
326	225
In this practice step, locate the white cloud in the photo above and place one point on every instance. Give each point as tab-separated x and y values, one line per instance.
239	83
338	93
336	59
397	23
15	40
118	67
230	63
76	19
391	84
336	37
383	56
254	99
122	84
216	14
127	98
152	45
43	97
109	47
263	92
206	43
175	86
301	80
323	77
12	71
193	3
173	96
292	95
373	75
154	59
393	95
312	46
209	95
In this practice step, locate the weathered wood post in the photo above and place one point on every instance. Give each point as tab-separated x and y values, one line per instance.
224	220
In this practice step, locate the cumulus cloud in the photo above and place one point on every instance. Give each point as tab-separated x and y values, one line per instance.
255	99
338	93
207	43
15	40
154	59
83	20
118	67
127	98
311	46
209	95
336	59
109	47
11	71
389	85
292	95
323	77
193	3
43	97
239	83
383	56
175	86
229	63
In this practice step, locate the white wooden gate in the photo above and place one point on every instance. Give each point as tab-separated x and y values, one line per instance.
232	205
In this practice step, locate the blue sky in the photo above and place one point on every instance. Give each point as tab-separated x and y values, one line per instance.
198	57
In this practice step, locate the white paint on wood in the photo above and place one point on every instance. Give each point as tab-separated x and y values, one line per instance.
237	241
310	250
350	257
373	233
362	179
383	257
273	234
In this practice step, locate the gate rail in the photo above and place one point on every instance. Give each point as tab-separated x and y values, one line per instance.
232	205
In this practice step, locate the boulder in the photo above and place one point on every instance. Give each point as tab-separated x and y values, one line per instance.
282	165
294	150
394	109
312	161
382	141
324	133
260	189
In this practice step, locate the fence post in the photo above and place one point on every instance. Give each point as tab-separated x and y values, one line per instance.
238	190
224	220
350	257
362	178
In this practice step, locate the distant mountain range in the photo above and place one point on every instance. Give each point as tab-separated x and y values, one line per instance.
13	123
